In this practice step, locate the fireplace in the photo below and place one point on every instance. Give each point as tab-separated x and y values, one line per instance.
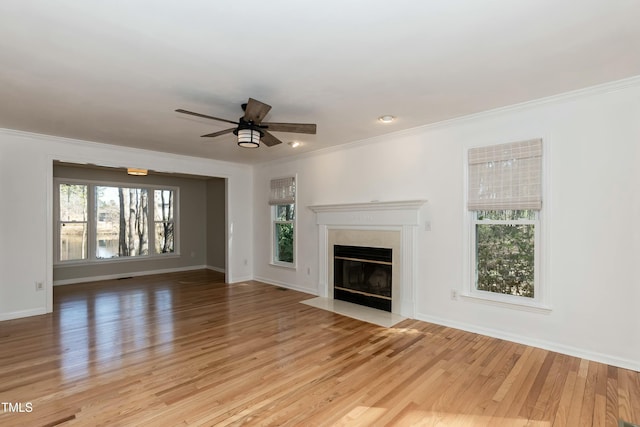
363	275
391	225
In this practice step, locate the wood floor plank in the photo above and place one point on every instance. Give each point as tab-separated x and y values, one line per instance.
549	399
628	387
612	396
187	349
561	417
541	382
600	399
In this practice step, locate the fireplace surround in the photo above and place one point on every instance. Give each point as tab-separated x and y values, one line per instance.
375	224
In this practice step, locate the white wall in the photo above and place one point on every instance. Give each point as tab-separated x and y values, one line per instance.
26	223
592	141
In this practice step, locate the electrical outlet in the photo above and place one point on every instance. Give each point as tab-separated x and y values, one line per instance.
427	226
39	286
454	294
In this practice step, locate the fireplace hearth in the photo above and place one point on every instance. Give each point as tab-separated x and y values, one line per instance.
363	275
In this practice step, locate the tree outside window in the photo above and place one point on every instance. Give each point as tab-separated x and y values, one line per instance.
121	226
163	220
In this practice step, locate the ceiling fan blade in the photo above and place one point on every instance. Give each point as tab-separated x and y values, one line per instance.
179	110
291	127
221	132
270	140
255	111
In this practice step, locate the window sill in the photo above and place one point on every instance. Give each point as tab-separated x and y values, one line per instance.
283	265
94	262
533	307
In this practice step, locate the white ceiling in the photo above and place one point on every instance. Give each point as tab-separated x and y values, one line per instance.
115	71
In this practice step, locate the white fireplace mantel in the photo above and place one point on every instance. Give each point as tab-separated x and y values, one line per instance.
401	216
370	213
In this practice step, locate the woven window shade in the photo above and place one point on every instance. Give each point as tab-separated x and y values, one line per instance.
506	176
283	191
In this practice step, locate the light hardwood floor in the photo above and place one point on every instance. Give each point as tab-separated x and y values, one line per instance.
186	349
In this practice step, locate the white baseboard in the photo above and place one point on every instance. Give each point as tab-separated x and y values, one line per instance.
218	269
287	285
240	279
122	275
22	313
545	345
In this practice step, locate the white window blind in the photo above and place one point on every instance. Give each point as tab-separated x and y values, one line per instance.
283	191
506	176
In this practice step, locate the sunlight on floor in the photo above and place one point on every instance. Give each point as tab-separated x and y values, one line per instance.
365	415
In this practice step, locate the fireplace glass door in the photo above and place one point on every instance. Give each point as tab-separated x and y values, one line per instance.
362	275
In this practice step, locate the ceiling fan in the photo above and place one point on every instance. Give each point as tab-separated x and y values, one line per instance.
251	129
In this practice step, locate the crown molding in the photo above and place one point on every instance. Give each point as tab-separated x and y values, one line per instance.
370	206
630	82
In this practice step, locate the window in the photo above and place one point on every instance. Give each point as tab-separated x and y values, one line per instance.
163	221
121	228
505	251
73	222
102	221
283	211
283	233
504	202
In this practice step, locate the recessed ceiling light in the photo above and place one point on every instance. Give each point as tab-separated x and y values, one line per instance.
386	119
295	144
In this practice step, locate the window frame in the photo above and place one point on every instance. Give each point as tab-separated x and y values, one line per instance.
541	302
171	221
274	247
92	220
473	290
274	223
59	222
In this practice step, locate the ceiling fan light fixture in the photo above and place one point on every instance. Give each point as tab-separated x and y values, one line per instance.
250	127
249	138
386	118
137	172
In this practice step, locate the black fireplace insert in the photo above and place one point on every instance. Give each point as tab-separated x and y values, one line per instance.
362	275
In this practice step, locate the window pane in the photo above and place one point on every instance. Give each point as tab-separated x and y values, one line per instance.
284	242
164	237
73	241
73	202
285	212
122	228
505	258
163	208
